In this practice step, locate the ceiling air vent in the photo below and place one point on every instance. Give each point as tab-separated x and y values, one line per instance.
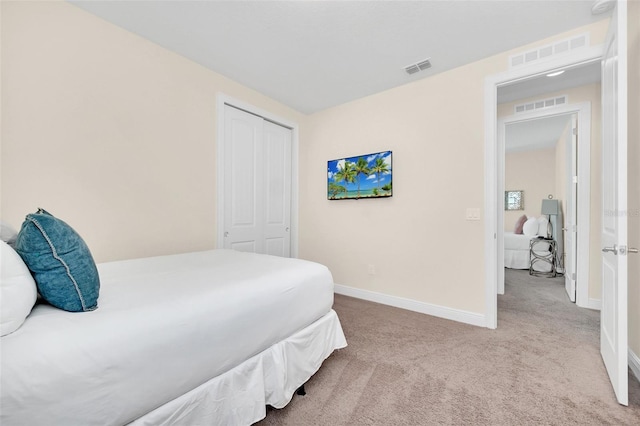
541	103
550	50
418	66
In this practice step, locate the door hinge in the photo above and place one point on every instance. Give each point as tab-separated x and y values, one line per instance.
575	131
573	276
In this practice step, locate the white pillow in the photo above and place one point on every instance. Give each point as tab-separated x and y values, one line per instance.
530	227
18	291
7	233
543	223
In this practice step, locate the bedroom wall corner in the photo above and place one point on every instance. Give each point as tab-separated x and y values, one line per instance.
110	132
419	241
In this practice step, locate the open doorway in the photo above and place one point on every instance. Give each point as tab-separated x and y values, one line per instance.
561	121
541	158
539	154
612	242
531	76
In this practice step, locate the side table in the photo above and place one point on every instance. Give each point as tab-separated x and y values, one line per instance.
542	252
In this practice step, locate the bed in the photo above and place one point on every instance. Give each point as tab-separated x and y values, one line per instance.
516	245
208	337
516	250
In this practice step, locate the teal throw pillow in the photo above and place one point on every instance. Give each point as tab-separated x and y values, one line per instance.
60	261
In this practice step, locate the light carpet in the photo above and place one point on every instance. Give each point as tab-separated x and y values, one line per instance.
541	366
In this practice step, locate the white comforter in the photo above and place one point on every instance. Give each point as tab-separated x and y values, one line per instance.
164	326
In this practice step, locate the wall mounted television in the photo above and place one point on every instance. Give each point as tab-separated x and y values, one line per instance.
361	176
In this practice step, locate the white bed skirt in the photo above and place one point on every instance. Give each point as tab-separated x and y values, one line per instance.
517	253
517	259
240	396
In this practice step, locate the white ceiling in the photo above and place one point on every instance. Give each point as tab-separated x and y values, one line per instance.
535	134
315	55
572	77
543	132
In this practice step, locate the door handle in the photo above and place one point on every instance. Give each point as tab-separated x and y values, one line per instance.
624	250
226	234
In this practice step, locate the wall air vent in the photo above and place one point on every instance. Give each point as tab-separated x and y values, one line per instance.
541	103
549	51
418	66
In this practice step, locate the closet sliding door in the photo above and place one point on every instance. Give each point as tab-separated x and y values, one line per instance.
257	184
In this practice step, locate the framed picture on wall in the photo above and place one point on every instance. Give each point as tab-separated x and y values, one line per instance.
362	176
514	200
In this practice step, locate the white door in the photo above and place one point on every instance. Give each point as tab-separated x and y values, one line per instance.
500	166
277	189
570	229
243	226
257	184
613	317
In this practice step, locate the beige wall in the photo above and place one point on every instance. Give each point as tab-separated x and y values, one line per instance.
534	172
634	173
117	136
419	241
110	132
589	93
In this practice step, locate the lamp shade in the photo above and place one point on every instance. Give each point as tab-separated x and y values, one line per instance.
550	207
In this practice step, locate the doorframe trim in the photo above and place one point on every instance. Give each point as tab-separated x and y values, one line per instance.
583	110
221	101
491	196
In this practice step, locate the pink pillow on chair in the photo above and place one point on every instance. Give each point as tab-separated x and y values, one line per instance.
520	224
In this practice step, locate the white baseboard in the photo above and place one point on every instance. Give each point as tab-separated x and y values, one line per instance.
413	305
634	364
595	304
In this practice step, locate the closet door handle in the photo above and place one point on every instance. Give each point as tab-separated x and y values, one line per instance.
613	249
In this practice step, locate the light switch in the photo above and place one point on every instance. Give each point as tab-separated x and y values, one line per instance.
473	213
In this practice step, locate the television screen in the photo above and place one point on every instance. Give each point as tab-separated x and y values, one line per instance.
362	176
